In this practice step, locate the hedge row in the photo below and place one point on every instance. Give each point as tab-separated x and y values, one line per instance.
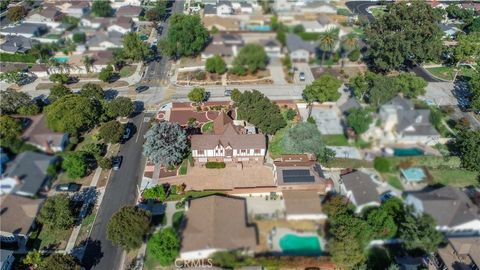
215	165
17	57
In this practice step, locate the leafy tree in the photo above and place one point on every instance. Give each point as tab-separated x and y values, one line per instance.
57	91
121	106
14	76
94	149
164	246
257	109
111	132
252	57
166	144
323	89
409	32
456	12
304	138
347	253
411	85
467	143
359	119
290	114
102	8
186	36
157	192
216	64
328	40
468	48
473	26
128	227
420	233
72	113
105	163
92	91
30	109
16	13
381	164
56	212
382	223
58	261
354	55
197	95
79	37
33	259
75	164
134	48
11	101
157	12
474	85
61	78
10	131
383	89
106	74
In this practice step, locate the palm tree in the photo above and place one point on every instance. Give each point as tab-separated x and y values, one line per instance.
88	62
349	43
328	40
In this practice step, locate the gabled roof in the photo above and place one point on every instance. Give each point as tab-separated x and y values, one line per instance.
37	132
221	123
363	189
129	11
401	103
18	213
217	222
302	202
210	9
294	42
16	44
351	103
25	28
460	208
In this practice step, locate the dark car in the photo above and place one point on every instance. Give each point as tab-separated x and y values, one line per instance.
127	133
141	88
68	187
301	76
116	162
227	93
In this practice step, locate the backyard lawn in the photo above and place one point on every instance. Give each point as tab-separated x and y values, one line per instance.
335	140
393	180
276	146
207	127
454	177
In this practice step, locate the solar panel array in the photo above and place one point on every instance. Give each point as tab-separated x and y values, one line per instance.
297	176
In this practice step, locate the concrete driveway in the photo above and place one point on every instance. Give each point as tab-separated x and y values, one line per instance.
305	68
328	122
440	93
276	72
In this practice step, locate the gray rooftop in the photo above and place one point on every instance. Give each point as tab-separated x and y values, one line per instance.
16	44
294	42
210	9
362	187
26	28
31	168
351	103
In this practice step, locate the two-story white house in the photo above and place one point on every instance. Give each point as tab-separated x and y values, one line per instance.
228	143
224	8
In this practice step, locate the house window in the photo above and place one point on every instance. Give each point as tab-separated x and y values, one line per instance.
256	151
243	151
200	152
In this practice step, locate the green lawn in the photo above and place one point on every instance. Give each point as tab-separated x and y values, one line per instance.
445	73
207	127
17	57
377	11
177	219
335	140
454	177
183	167
127	71
309	36
50	238
394	181
276	146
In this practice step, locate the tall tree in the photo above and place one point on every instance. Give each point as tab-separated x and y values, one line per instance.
134	48
328	41
106	74
468	48
359	119
16	13
14	76
305	138
92	91
10	130
102	8
216	64
323	89
164	246
56	212
11	101
128	227
166	144
57	91
186	36
252	57
467	143
121	106
409	32
111	132
420	233
57	261
88	63
348	44
75	164
197	95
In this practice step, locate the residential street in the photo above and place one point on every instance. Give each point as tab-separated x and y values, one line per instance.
121	190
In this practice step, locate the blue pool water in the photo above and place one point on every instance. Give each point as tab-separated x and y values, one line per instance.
62	59
413	174
405	152
260	28
292	244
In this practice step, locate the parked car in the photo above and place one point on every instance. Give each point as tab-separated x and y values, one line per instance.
386	195
68	187
141	88
127	133
227	92
301	76
117	162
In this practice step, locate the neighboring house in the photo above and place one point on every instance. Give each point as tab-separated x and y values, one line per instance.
18	215
209	10
30	172
272	47
407	124
105	41
50	16
122	25
287	6
78	9
299	172
121	3
224	8
40	70
225	45
7	67
130	12
6	259
27	30
221	23
318	7
351	103
38	135
360	189
298	49
449	30
242	7
216	223
460	253
228	143
94	24
303	205
322	24
16	44
453	211
100	59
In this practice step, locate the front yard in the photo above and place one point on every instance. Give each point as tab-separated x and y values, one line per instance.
448	72
49	239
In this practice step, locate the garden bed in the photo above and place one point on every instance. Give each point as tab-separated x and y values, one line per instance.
119	83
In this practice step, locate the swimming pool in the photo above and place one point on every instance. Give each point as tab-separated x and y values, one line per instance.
260	28
413	174
405	152
292	244
61	59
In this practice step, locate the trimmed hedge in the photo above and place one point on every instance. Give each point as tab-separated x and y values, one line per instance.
215	165
17	57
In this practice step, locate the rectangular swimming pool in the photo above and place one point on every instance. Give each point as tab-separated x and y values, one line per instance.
406	152
292	244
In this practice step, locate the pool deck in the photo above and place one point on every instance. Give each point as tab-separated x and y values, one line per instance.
281	232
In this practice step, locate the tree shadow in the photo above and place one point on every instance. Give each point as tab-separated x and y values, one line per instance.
93	253
111	94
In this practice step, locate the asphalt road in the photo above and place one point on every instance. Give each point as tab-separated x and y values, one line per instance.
121	190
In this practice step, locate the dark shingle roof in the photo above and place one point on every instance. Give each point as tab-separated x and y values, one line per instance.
294	42
362	187
16	44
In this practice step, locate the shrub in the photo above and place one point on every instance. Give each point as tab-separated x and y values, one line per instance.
215	165
157	192
238	70
290	114
354	55
381	164
200	75
105	163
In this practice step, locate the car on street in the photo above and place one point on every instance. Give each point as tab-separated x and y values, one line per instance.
68	187
127	133
227	92
301	76
141	88
117	162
